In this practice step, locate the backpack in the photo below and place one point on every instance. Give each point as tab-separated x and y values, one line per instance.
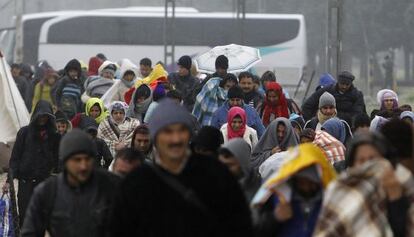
70	100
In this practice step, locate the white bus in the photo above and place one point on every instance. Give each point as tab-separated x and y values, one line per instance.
31	31
135	34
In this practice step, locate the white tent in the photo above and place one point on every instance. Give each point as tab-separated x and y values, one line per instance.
13	111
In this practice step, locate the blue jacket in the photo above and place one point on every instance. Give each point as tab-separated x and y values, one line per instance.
253	118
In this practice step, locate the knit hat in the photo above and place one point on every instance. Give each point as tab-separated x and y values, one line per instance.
326	80
185	62
235	92
111	68
60	116
159	92
168	112
222	62
76	142
346	77
87	123
208	137
326	99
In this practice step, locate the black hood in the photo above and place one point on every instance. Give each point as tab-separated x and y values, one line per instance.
43	108
73	64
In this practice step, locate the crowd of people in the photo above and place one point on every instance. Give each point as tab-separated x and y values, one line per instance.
116	149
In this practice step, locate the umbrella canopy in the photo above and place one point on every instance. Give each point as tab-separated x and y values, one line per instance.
240	57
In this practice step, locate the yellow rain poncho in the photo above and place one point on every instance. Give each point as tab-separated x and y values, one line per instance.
296	159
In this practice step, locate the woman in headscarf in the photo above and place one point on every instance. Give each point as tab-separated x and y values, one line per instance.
275	104
141	100
278	137
388	101
335	128
117	129
236	127
95	109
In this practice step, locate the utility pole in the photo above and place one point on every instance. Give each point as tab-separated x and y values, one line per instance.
18	49
169	37
334	36
241	17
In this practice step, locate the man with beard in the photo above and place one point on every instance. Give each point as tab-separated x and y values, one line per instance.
76	202
182	194
35	154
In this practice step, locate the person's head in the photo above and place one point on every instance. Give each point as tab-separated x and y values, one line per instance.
15	70
297	123
118	111
307	135
184	65
141	139
400	136
345	80
142	93
325	80
145	67
235	154
95	111
90	126
267	77
170	130
207	141
273	93
377	123
327	105
62	122
407	116
336	128
256	82
246	82
387	99
73	69
235	96
77	151
229	81
236	119
280	132
306	182
102	57
51	77
406	107
175	96
222	64
361	123
159	92
107	70
364	147
129	75
126	160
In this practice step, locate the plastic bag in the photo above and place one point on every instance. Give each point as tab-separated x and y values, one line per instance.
6	217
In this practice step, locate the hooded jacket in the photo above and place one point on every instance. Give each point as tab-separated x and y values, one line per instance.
249	180
139	111
35	152
89	104
268	141
96	86
121	86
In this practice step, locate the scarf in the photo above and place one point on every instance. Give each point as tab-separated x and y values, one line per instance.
234	112
271	111
128	84
323	118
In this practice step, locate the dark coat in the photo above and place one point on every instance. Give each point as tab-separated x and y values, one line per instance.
103	153
35	156
186	86
348	104
253	98
67	211
147	206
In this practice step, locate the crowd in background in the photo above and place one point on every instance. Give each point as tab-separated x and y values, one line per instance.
118	149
